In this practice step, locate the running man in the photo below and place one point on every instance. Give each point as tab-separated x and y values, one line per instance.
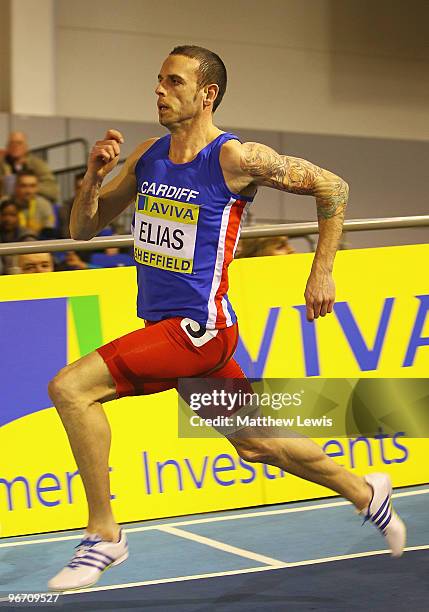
192	188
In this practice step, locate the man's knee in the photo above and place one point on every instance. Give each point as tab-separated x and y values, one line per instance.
62	389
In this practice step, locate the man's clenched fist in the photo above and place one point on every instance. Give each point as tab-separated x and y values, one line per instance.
104	154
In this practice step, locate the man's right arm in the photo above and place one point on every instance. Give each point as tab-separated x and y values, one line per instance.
95	206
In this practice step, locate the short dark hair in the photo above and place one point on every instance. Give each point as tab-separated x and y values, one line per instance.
26	173
5	203
211	68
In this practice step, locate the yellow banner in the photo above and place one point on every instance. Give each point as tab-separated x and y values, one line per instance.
380	328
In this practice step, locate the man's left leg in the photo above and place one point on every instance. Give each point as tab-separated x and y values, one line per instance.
302	457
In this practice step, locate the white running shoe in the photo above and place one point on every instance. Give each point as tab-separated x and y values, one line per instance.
92	557
381	513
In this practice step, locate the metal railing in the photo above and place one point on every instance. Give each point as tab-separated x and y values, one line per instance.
66	182
65	179
44	150
285	229
65	176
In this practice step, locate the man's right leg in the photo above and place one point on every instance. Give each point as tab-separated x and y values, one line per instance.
76	392
138	363
145	361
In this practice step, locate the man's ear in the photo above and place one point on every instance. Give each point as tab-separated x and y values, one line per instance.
211	92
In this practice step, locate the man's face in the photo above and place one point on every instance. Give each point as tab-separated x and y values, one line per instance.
9	219
178	96
26	188
73	260
17	145
31	263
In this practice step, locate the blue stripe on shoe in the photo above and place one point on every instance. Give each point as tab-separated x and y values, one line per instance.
102	562
94	550
77	565
386	522
80	560
382	516
381	508
87	542
91	565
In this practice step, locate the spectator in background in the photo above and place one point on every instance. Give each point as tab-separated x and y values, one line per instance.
262	247
65	210
31	263
273	245
112	258
16	158
75	261
10	229
35	212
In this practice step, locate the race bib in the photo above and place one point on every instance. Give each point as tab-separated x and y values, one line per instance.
165	232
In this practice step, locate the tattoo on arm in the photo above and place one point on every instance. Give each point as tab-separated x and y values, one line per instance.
279	171
331	197
296	175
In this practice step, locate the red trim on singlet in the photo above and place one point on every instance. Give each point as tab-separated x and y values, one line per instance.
233	226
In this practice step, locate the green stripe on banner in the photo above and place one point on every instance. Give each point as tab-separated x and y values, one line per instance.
86	314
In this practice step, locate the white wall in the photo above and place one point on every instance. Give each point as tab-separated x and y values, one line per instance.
32	66
350	67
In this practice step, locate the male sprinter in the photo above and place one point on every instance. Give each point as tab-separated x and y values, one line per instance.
192	188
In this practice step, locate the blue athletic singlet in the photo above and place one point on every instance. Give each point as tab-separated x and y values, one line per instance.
186	227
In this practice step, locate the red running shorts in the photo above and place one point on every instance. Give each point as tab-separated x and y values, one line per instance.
152	359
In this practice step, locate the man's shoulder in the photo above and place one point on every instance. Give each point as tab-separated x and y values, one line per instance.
146	144
230	155
140	150
42	202
34	162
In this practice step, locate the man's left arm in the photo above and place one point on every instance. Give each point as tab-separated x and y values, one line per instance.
263	166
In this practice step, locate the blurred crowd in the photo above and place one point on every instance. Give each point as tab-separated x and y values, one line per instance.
31	209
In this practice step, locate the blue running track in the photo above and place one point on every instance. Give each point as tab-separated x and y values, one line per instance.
302	556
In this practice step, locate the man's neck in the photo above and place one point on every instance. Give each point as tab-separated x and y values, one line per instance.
188	138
